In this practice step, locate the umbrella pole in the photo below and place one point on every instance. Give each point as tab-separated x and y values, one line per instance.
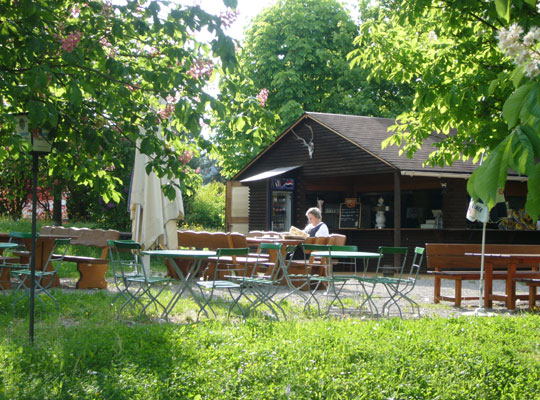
137	237
481	285
480	310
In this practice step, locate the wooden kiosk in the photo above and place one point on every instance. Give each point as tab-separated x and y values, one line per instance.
339	158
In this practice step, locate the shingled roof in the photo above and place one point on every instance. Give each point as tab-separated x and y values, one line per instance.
368	133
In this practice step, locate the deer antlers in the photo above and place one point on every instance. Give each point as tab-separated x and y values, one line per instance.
310	146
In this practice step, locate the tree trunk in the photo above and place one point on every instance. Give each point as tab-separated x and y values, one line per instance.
57	206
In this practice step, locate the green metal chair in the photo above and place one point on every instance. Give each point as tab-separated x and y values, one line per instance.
334	283
369	283
267	277
18	253
400	287
138	282
230	271
299	283
121	272
44	278
10	255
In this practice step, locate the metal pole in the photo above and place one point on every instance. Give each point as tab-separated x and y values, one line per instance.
35	160
481	285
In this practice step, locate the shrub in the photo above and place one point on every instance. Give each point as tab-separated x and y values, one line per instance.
206	208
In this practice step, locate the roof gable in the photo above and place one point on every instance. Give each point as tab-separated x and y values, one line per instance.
367	134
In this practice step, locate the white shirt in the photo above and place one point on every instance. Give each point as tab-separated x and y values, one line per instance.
322	232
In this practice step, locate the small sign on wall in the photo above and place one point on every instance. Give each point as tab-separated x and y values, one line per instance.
350	217
283	184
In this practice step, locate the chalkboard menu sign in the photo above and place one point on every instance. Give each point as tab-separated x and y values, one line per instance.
349	217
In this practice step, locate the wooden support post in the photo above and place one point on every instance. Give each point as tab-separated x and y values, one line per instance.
397	214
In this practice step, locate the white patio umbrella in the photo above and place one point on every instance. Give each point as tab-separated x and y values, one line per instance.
153	215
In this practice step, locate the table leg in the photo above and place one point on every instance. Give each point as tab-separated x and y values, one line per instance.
457	292
511	287
4	278
184	284
437	290
532	296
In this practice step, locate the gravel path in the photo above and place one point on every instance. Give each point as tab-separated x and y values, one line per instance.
422	294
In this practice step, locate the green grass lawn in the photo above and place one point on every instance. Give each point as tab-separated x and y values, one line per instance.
84	353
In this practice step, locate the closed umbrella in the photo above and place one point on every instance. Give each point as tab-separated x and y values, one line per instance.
153	215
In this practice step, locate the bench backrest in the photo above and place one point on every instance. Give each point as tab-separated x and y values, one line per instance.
203	240
84	236
264	233
448	256
336	239
238	240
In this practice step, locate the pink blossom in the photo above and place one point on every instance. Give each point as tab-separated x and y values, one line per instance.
228	17
75	11
262	97
200	68
107	9
70	43
131	87
104	41
198	170
166	112
185	157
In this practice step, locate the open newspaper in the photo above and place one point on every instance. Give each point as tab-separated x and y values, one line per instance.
294	231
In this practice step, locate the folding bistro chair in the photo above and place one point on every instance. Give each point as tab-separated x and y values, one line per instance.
121	272
267	276
43	279
15	257
137	281
334	283
230	270
368	283
399	288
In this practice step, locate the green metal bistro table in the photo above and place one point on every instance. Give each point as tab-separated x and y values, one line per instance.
4	274
355	255
185	279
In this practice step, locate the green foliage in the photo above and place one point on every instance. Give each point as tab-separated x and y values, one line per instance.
98	76
297	50
15	185
206	209
467	92
245	128
442	52
84	353
20	225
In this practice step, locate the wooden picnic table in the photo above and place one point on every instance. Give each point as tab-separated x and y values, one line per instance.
256	241
517	266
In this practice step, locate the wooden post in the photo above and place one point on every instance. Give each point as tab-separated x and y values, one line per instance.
397	214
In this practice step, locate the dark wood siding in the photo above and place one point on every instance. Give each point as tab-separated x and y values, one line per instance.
455	204
258	205
332	156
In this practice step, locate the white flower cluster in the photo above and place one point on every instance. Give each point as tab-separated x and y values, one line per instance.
522	48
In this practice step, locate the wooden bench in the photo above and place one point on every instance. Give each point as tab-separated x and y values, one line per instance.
188	239
91	269
448	261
